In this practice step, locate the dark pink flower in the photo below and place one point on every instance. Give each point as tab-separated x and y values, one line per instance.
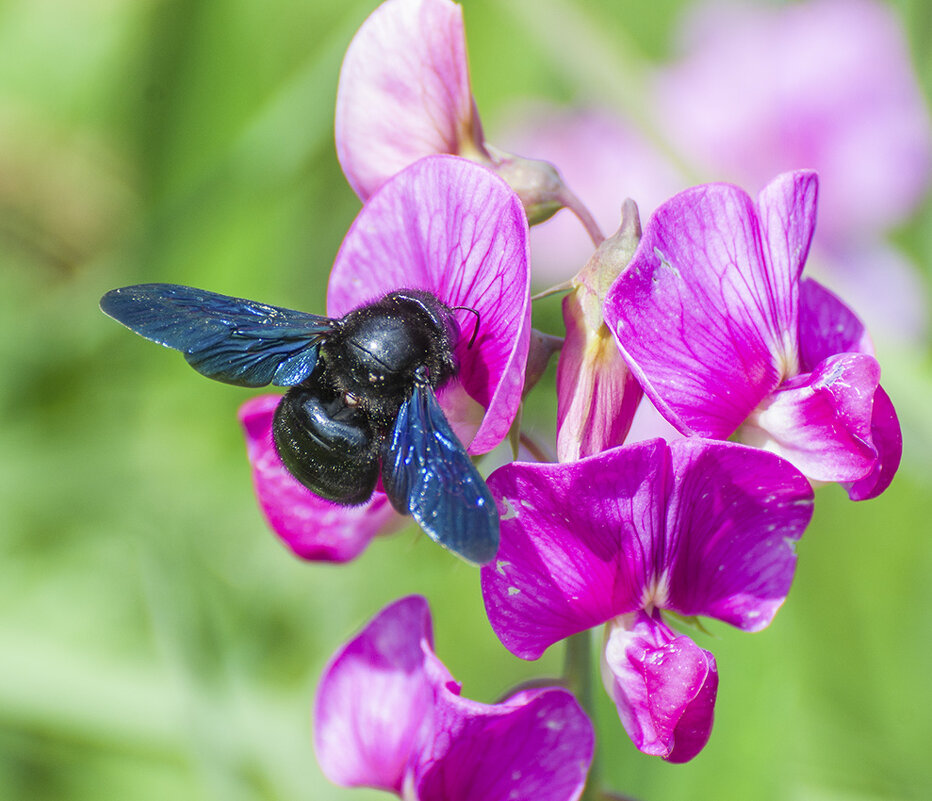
696	527
725	338
389	715
452	228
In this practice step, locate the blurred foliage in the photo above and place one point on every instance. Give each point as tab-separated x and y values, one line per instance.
155	639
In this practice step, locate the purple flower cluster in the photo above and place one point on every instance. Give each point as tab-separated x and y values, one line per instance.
705	314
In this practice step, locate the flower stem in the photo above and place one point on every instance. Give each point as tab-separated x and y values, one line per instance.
577	674
575	205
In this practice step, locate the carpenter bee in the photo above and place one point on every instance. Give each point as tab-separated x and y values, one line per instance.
360	402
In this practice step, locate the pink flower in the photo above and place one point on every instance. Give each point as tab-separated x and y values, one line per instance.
404	93
724	336
389	715
697	527
452	228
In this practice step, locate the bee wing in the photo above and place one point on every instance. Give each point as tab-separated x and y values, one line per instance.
228	339
427	473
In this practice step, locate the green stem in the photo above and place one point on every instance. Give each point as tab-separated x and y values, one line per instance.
577	673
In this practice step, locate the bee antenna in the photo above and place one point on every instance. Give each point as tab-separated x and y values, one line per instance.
475	330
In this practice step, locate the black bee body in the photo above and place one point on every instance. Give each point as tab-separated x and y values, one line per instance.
330	429
360	403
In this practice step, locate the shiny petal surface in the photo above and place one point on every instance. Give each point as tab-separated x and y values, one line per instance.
597	395
577	544
696	314
733	519
374	699
450	227
663	685
888	440
403	92
821	421
826	327
535	745
313	528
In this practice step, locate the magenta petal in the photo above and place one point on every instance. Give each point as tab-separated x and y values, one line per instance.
537	745
663	685
787	212
374	699
577	544
694	313
887	439
821	421
453	228
404	91
732	522
310	526
827	326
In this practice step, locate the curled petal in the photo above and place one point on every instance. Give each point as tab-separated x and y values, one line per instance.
597	395
663	685
578	544
887	439
821	421
733	519
537	744
404	92
696	314
376	698
450	227
313	528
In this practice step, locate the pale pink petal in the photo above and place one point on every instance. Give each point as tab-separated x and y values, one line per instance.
451	227
404	91
537	745
375	698
663	685
597	395
733	519
694	312
577	546
313	528
821	421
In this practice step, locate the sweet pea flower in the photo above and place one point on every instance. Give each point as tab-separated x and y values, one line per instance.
452	228
597	395
389	715
696	527
827	85
726	339
404	93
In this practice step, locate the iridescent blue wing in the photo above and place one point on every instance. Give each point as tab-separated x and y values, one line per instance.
228	339
427	473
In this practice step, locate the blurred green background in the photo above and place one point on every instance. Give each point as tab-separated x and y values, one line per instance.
156	641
